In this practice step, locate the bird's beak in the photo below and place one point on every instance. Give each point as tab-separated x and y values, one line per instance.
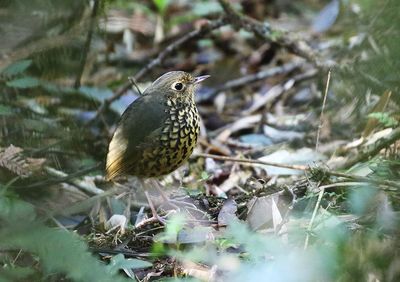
199	79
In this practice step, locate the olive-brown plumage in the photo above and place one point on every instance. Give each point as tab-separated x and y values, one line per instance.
158	131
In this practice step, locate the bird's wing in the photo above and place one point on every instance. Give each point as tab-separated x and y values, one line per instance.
141	120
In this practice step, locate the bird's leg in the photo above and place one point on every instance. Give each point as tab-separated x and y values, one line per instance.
176	204
165	198
153	210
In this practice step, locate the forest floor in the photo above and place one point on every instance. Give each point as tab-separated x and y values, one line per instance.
295	176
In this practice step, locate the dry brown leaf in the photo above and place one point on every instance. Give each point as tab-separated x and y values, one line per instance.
242	123
196	270
234	179
12	160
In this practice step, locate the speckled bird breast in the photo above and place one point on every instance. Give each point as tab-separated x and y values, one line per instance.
176	142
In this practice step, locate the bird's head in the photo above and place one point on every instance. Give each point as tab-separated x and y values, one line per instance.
177	85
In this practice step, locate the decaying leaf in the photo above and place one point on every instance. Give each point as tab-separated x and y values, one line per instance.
12	160
266	212
303	156
116	221
227	213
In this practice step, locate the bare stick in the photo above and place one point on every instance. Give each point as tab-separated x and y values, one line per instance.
321	194
365	179
249	161
303	168
132	80
341	184
374	150
79	184
86	47
244	80
270	34
322	110
59	177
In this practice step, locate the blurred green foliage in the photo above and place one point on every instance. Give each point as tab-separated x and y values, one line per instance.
335	253
47	118
385	119
60	252
373	64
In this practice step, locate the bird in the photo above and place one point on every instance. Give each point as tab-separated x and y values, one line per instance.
158	131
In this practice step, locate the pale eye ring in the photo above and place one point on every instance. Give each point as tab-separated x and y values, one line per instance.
178	86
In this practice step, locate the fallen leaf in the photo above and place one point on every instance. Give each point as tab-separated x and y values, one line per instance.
227	212
303	156
116	221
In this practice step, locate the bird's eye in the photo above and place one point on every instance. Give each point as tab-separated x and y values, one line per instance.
177	86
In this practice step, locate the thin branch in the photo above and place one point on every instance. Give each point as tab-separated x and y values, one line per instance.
85	51
128	253
365	179
302	168
79	184
266	32
245	80
133	82
374	150
278	90
321	194
85	204
59	178
249	161
322	110
341	184
204	29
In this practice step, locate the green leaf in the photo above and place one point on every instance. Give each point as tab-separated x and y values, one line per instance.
17	68
58	251
174	226
5	110
161	5
204	175
119	262
15	273
25	82
384	118
13	210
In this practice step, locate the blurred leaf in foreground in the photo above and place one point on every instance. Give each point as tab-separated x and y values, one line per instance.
59	251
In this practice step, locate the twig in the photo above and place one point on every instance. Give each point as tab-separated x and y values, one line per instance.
322	110
79	184
341	184
86	47
133	82
374	150
321	194
59	179
303	168
276	91
125	252
85	204
364	179
270	34
244	80
204	29
249	161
